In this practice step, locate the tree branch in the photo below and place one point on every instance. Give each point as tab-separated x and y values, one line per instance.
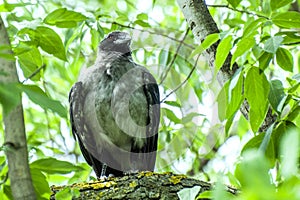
202	24
183	82
17	156
237	10
144	185
164	75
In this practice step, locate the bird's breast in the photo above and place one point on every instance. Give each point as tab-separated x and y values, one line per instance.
117	108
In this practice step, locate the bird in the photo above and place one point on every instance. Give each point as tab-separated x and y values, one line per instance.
115	111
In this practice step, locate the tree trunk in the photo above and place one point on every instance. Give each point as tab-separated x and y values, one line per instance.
15	139
202	24
144	185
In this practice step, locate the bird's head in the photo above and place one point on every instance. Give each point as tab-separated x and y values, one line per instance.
116	41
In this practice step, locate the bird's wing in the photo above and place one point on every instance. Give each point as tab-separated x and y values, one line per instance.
79	128
151	93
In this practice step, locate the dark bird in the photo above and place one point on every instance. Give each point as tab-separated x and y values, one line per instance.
115	111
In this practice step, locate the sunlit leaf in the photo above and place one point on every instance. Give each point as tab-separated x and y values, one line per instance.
142	23
50	42
256	91
290	19
264	60
207	42
251	28
244	45
285	59
53	166
47	39
64	18
38	96
290	155
222	51
30	61
189	117
173	103
64	194
222	100
6	7
234	3
40	184
275	4
95	38
142	16
171	116
254	162
279	132
235	94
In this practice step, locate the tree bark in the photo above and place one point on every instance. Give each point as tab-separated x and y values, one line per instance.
144	185
202	24
15	138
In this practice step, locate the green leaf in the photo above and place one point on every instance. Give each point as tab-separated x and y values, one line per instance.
40	184
6	7
235	94
289	149
251	28
276	95
95	38
171	116
290	19
285	59
264	142
142	16
47	39
142	23
222	51
244	45
234	3
65	194
38	96
264	60
222	100
282	129
253	174
272	44
188	193
50	42
275	4
256	91
189	117
54	166
64	18
10	96
207	42
173	103
205	195
30	61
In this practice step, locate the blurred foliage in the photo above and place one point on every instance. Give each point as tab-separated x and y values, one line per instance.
202	132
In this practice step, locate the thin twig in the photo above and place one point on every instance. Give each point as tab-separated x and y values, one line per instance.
181	84
164	75
34	73
237	10
151	32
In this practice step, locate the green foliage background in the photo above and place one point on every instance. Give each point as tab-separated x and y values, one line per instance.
53	39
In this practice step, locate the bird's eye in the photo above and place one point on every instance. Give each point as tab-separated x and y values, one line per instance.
110	37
